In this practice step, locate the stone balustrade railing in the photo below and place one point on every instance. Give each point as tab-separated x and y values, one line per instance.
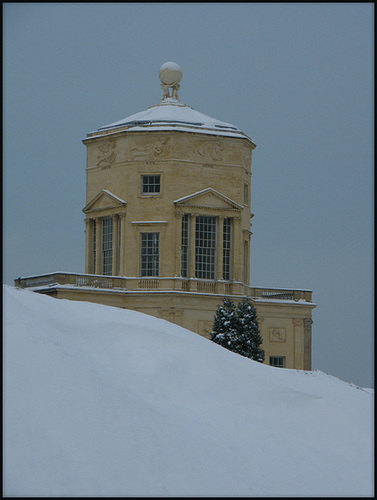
280	294
162	284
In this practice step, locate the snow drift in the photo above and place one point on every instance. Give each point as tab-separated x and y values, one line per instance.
100	401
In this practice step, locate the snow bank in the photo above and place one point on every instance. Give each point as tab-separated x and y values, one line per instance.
101	401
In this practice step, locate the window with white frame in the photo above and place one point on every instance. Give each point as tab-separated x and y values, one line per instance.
150	184
185	245
227	247
205	247
149	254
278	361
107	245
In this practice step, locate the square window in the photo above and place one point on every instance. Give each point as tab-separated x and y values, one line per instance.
150	184
278	361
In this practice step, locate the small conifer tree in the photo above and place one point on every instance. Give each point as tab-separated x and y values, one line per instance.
249	337
225	324
236	329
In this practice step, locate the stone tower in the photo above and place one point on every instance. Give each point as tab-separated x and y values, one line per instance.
168	195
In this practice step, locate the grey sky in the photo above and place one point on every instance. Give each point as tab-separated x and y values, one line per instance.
296	78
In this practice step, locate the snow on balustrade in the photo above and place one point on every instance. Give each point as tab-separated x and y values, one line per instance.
278	295
190	285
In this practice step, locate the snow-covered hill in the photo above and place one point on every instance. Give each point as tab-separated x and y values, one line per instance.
101	401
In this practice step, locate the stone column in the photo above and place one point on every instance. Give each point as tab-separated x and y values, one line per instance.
114	270
298	343
192	246
237	250
219	249
98	268
246	257
178	242
88	246
122	263
308	343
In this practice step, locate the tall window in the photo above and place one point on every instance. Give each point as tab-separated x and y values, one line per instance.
185	245
278	361
107	245
227	245
149	254
150	184
94	246
205	247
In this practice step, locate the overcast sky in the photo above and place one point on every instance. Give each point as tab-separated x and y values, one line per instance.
296	78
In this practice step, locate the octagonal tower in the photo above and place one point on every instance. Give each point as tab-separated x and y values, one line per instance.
168	195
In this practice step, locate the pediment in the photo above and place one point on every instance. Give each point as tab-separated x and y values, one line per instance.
208	198
104	199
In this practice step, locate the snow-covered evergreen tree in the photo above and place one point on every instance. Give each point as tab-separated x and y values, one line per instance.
224	327
237	329
249	337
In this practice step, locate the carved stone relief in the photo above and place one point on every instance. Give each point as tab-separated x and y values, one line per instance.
106	155
209	150
171	314
277	335
159	148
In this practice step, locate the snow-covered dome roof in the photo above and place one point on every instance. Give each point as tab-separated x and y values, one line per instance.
170	113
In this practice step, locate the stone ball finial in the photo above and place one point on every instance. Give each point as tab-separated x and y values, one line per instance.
170	75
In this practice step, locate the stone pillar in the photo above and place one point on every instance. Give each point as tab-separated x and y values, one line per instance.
88	246
98	268
192	246
178	242
237	250
246	257
219	249
114	270
298	344
308	343
122	263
